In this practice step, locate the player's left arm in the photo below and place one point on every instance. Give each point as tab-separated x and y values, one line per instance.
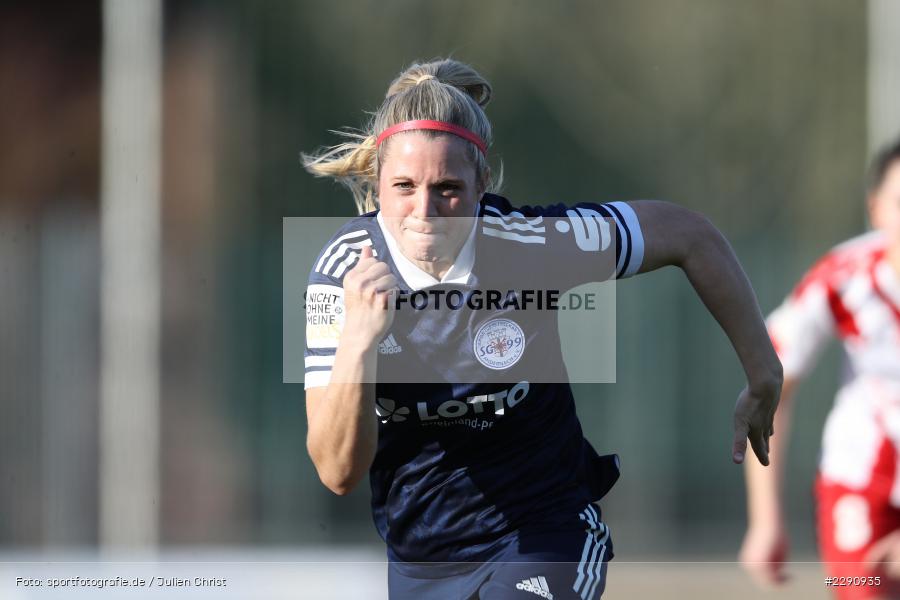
676	236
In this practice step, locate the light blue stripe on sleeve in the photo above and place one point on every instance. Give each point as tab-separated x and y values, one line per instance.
637	239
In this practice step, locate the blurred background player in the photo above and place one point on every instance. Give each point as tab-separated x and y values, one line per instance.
852	294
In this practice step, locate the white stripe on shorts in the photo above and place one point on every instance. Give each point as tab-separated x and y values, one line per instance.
590	568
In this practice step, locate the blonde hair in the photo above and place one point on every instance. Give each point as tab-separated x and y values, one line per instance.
441	90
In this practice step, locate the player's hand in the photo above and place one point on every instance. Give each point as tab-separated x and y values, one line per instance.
369	292
754	414
763	553
884	556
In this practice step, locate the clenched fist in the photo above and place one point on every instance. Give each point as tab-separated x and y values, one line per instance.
369	292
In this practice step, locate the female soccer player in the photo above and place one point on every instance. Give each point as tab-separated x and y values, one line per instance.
483	485
852	293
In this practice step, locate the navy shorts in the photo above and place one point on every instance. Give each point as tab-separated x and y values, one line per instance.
557	565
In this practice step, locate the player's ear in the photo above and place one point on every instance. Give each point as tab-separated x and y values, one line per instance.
481	184
874	208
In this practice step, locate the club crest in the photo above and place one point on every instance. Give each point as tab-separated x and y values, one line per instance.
499	344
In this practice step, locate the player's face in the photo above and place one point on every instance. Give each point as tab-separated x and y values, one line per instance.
428	195
884	205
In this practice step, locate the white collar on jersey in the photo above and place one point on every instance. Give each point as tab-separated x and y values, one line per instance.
418	279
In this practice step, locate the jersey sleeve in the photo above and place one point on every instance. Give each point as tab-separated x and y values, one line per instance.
803	324
324	303
324	307
629	238
585	242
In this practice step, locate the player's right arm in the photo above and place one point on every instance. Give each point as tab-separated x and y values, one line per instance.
342	428
765	546
800	328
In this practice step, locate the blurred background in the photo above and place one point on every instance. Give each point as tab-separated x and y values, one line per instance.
150	150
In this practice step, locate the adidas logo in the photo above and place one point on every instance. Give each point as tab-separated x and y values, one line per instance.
389	346
536	585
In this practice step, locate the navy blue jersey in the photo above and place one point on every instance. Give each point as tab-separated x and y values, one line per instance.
479	447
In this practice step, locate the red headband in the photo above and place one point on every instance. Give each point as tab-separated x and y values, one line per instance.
436	126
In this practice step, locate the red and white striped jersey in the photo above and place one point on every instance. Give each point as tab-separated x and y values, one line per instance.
852	293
